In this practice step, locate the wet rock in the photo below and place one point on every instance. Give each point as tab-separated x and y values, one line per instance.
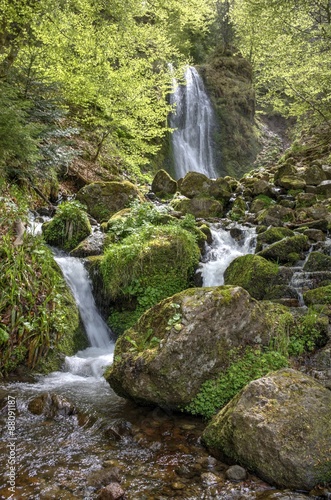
118	429
51	405
314	175
254	273
103	199
317	261
163	185
92	245
201	207
104	477
291	182
178	486
195	184
284	250
196	329
324	188
236	473
314	234
276	215
278	426
112	491
271	235
208	479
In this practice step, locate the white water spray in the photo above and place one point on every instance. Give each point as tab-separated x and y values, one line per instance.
194	122
91	361
223	250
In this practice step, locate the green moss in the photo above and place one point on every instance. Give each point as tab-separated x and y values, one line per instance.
69	226
317	261
321	295
245	366
281	250
145	268
253	273
271	235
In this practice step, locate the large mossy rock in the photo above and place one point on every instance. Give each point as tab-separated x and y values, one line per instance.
317	261
68	228
201	207
104	199
279	427
195	184
288	249
146	267
276	215
163	184
252	272
188	339
271	235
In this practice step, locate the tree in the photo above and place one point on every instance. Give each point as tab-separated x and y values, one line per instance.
289	44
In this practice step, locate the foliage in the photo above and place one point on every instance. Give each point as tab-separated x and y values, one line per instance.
38	317
288	43
69	226
309	333
151	264
250	365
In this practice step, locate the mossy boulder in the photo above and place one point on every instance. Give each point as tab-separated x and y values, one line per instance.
146	267
252	272
279	427
291	182
317	261
261	202
199	207
320	295
220	189
313	175
104	199
163	184
186	340
283	251
276	215
324	188
271	235
195	184
69	226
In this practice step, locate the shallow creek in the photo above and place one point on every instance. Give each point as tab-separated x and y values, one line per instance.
84	436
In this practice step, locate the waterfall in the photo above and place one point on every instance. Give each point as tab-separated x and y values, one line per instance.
226	246
91	361
194	124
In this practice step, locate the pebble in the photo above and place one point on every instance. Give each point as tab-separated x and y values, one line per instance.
208	478
178	486
236	473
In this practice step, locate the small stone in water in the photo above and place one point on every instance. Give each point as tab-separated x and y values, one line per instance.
112	491
178	486
236	473
208	478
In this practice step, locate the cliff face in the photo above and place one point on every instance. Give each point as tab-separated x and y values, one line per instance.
228	79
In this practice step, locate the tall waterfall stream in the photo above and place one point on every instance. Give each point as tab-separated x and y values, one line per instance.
194	124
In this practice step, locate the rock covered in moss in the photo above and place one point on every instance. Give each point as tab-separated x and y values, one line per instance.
163	184
317	261
252	272
313	175
201	207
276	215
283	250
186	340
103	199
271	235
69	226
279	427
195	184
320	295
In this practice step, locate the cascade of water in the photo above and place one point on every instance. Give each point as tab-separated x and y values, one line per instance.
223	250
194	122
91	361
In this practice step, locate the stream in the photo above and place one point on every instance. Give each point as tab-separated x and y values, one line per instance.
73	434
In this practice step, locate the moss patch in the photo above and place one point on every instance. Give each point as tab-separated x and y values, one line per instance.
253	273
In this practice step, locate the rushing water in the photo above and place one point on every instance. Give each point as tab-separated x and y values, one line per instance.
194	124
227	245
